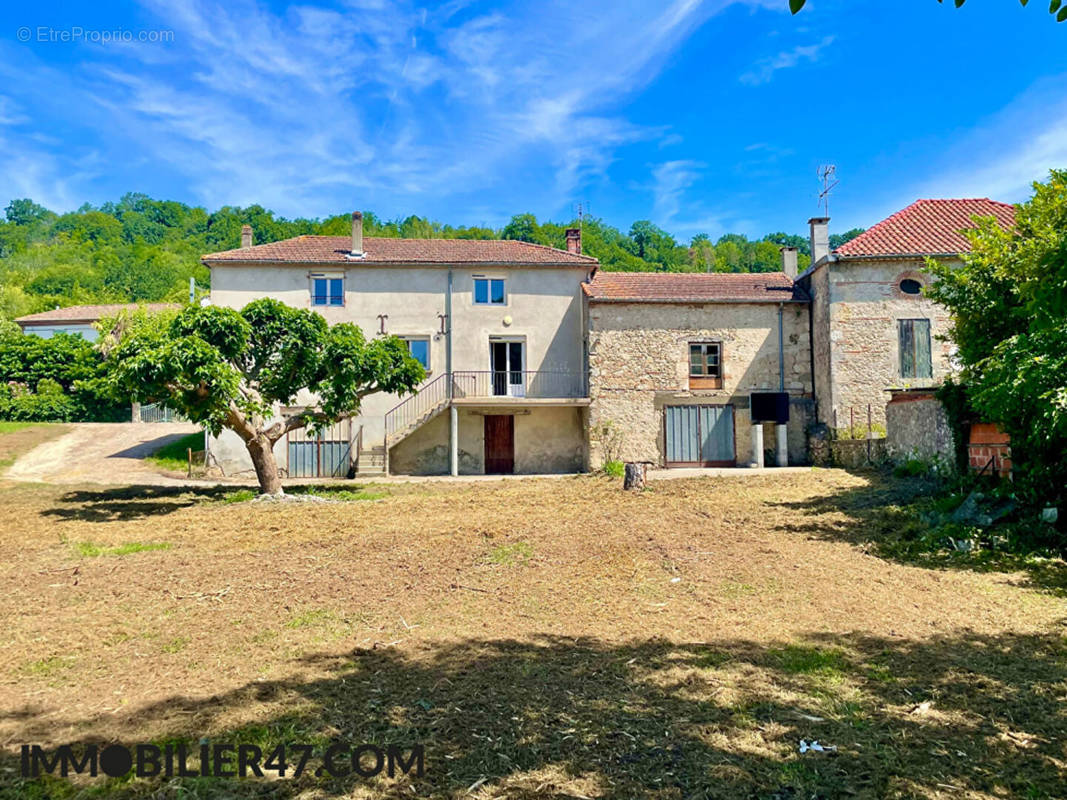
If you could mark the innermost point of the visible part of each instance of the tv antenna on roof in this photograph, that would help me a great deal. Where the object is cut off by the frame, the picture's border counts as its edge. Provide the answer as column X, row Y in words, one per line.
column 581, row 210
column 826, row 175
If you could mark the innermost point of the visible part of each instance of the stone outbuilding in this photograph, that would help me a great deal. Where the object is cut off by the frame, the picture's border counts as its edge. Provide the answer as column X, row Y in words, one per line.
column 873, row 328
column 674, row 360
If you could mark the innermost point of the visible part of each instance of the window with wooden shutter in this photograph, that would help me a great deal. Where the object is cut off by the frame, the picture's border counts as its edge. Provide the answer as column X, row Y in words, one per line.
column 705, row 365
column 915, row 350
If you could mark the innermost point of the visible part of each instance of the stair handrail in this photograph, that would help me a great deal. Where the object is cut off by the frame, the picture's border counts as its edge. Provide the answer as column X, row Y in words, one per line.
column 427, row 398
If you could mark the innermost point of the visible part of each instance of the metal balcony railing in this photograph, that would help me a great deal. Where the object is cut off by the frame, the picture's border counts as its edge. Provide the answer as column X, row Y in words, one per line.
column 433, row 396
column 518, row 384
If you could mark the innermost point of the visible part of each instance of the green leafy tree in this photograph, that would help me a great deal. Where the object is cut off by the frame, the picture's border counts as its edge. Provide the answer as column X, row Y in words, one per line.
column 240, row 369
column 838, row 239
column 1009, row 322
column 1056, row 7
column 26, row 212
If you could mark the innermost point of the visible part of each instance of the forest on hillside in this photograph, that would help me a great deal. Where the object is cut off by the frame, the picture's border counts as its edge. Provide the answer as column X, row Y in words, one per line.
column 144, row 250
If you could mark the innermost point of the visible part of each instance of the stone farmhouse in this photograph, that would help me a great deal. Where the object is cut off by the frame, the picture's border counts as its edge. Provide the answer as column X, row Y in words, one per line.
column 872, row 328
column 540, row 362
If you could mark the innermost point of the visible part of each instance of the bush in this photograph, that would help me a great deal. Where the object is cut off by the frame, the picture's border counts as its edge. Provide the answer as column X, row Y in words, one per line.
column 912, row 468
column 67, row 373
column 47, row 404
column 616, row 469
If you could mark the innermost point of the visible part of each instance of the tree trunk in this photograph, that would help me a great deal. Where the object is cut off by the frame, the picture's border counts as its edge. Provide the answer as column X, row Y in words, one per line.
column 635, row 475
column 263, row 460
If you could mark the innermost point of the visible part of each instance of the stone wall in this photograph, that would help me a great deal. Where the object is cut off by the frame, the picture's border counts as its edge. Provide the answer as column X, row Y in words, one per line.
column 864, row 309
column 917, row 428
column 857, row 453
column 639, row 363
column 818, row 286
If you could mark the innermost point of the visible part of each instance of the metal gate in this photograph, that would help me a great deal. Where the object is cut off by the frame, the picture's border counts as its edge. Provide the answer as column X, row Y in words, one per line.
column 327, row 455
column 154, row 412
column 699, row 436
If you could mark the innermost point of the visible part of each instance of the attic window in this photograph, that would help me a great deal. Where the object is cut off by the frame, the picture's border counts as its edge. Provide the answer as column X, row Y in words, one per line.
column 910, row 286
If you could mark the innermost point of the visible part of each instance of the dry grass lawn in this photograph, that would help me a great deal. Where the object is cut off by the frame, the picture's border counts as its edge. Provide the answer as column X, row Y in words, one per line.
column 541, row 639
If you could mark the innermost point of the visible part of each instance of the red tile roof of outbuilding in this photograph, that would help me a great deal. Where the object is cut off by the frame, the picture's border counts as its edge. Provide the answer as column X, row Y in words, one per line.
column 91, row 313
column 336, row 249
column 700, row 287
column 927, row 228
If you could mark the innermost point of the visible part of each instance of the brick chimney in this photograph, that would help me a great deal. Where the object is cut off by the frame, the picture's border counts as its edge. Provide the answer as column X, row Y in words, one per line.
column 789, row 261
column 357, row 234
column 246, row 236
column 820, row 238
column 574, row 241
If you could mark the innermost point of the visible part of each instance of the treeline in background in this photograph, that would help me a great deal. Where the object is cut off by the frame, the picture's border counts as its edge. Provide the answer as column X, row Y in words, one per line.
column 145, row 250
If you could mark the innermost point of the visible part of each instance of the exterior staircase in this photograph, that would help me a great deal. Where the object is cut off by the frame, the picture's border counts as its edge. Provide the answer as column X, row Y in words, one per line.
column 415, row 411
column 371, row 462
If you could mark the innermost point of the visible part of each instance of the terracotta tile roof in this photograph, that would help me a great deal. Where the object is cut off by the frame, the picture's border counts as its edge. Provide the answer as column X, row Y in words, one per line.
column 927, row 228
column 335, row 249
column 90, row 313
column 686, row 287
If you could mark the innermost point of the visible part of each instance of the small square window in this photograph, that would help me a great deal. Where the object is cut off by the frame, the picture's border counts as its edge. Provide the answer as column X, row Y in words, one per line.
column 419, row 347
column 704, row 360
column 327, row 291
column 489, row 292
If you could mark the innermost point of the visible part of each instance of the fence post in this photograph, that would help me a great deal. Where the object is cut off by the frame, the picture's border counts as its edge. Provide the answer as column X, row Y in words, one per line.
column 868, row 433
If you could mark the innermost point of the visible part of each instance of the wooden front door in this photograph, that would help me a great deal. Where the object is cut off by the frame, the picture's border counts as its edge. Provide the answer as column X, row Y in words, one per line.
column 499, row 444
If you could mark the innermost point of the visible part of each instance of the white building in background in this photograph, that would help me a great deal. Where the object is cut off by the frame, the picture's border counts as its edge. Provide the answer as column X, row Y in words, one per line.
column 79, row 320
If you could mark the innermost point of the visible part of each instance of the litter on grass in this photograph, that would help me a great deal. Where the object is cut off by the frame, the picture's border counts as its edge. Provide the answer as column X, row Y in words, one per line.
column 805, row 746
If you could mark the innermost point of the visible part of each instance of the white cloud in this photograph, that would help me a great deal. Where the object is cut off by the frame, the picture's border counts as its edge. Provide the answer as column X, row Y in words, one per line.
column 764, row 70
column 1003, row 155
column 313, row 109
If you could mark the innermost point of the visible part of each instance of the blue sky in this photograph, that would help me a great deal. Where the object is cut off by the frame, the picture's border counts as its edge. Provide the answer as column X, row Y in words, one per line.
column 703, row 117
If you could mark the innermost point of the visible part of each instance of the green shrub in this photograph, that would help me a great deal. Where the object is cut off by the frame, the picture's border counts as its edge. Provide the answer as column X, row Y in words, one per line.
column 67, row 374
column 912, row 468
column 616, row 469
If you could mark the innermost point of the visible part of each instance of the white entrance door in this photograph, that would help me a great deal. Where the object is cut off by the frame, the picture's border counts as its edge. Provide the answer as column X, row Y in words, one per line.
column 506, row 361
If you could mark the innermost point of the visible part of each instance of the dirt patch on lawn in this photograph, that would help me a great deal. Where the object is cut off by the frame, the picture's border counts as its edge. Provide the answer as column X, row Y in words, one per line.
column 541, row 638
column 16, row 440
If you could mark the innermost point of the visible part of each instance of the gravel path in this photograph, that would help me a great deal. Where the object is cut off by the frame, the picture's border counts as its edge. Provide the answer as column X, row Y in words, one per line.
column 104, row 453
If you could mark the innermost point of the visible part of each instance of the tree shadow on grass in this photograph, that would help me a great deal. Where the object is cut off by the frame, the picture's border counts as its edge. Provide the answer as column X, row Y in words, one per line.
column 132, row 502
column 137, row 502
column 881, row 518
column 150, row 446
column 559, row 717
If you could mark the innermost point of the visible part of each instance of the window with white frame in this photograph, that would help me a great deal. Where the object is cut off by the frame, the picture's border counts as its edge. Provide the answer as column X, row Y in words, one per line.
column 419, row 348
column 489, row 292
column 327, row 290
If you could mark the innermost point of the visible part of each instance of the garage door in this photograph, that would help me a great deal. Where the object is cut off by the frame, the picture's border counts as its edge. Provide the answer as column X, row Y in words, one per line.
column 700, row 436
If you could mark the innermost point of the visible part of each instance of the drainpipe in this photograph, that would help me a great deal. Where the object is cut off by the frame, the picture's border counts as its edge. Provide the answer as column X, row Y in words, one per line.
column 781, row 350
column 811, row 352
column 453, row 416
column 782, row 444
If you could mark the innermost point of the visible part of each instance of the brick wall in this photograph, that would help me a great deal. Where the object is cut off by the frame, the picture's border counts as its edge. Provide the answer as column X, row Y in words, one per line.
column 988, row 442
